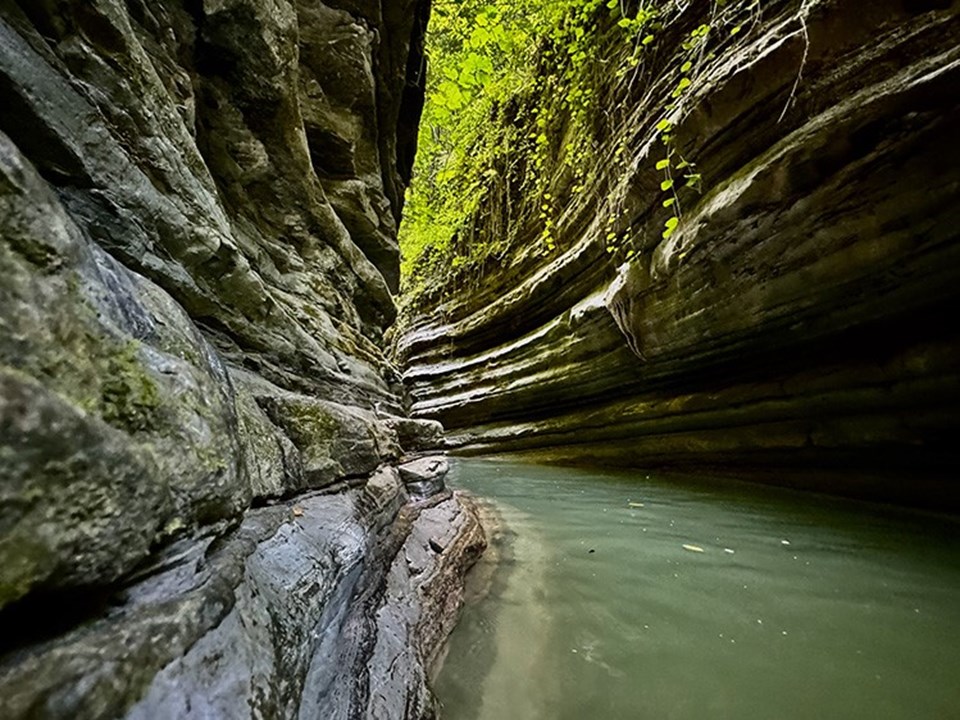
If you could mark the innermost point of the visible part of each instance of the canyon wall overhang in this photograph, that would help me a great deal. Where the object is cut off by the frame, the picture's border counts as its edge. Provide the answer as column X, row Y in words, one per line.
column 798, row 324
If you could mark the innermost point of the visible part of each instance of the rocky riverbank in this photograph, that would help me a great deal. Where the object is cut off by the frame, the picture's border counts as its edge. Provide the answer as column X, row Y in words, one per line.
column 330, row 605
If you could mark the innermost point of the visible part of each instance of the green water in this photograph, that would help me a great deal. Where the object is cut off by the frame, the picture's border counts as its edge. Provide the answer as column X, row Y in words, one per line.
column 825, row 608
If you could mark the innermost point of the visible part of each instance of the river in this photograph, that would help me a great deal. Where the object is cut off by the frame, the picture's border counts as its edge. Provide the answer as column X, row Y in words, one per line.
column 619, row 595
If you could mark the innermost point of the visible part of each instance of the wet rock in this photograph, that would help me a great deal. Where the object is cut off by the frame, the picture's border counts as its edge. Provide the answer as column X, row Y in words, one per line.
column 198, row 210
column 61, row 526
column 334, row 441
column 118, row 413
column 274, row 463
column 422, row 601
column 425, row 476
column 273, row 619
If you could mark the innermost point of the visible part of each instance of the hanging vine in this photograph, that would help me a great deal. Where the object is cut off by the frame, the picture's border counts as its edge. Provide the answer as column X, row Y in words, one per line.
column 523, row 105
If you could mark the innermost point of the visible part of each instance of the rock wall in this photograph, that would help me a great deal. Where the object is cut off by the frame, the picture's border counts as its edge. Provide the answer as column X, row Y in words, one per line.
column 797, row 325
column 198, row 211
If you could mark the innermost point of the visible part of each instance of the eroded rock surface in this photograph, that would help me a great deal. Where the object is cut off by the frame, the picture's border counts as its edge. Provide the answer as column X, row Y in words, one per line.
column 330, row 606
column 425, row 476
column 198, row 211
column 795, row 327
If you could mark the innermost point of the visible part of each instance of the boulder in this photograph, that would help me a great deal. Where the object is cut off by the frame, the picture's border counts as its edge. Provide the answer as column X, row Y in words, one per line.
column 425, row 476
column 416, row 435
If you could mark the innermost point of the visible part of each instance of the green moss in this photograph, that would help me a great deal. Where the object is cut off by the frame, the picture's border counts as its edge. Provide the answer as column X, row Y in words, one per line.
column 23, row 562
column 101, row 377
column 309, row 425
column 69, row 352
column 129, row 397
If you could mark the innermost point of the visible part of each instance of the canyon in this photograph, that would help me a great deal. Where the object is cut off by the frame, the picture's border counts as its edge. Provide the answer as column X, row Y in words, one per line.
column 222, row 421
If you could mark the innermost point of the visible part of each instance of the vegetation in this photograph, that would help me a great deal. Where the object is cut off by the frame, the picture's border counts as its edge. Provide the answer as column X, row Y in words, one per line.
column 129, row 396
column 490, row 61
column 522, row 100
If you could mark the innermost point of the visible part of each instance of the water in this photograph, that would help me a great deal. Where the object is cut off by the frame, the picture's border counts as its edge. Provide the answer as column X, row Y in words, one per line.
column 825, row 609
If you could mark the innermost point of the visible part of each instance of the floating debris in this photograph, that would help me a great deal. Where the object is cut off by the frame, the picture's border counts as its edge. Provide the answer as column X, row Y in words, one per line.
column 728, row 551
column 784, row 542
column 635, row 504
column 693, row 548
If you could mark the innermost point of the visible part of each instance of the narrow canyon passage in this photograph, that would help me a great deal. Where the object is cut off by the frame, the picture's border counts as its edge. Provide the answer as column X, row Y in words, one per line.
column 270, row 268
column 714, row 236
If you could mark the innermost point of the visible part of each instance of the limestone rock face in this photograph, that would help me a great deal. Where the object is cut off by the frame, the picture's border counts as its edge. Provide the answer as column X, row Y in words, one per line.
column 319, row 608
column 797, row 324
column 198, row 211
column 417, row 435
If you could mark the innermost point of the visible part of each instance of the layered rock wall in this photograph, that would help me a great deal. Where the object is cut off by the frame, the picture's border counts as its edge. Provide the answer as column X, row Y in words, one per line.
column 198, row 212
column 797, row 325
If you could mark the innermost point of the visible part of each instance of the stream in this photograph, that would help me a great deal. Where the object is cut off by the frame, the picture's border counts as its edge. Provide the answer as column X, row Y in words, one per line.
column 618, row 595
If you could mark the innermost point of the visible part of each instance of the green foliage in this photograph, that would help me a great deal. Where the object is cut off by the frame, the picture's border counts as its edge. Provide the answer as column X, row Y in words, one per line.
column 508, row 93
column 525, row 101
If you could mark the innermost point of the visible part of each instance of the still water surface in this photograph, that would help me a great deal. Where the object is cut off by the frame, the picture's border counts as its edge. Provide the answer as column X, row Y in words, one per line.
column 824, row 609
